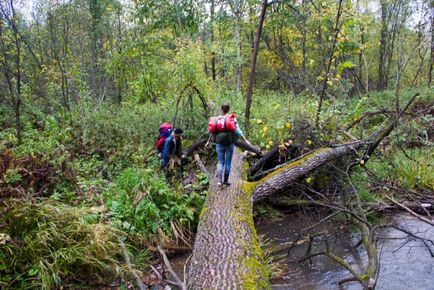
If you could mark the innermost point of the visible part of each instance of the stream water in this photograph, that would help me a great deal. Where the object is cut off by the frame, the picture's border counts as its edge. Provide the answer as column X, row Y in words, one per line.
column 405, row 263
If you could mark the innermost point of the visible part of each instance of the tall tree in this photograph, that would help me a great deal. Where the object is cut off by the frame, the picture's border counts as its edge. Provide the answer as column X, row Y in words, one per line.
column 11, row 59
column 330, row 61
column 236, row 7
column 252, row 74
column 431, row 64
column 213, row 57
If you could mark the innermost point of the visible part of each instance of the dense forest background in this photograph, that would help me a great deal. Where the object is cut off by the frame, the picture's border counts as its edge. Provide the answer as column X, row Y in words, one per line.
column 84, row 85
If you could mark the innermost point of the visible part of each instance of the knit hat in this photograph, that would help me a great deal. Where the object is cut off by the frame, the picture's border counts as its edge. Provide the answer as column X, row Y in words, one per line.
column 178, row 131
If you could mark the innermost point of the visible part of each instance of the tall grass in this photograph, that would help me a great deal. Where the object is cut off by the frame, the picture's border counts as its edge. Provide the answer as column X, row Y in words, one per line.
column 51, row 244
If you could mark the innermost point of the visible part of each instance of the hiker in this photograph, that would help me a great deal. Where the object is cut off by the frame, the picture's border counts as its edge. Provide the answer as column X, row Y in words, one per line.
column 224, row 131
column 172, row 150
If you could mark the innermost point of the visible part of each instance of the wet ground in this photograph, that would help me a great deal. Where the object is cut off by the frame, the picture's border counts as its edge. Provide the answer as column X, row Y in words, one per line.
column 405, row 263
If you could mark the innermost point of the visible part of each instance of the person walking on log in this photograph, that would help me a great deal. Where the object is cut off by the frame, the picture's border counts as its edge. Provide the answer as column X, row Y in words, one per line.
column 224, row 131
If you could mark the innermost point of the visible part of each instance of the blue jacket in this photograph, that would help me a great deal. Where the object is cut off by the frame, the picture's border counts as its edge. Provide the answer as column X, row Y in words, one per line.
column 171, row 146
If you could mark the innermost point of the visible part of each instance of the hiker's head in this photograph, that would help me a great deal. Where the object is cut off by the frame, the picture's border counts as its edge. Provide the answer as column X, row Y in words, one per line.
column 225, row 107
column 178, row 132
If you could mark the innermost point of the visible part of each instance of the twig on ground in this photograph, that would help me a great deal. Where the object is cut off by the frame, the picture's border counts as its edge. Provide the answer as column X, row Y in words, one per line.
column 201, row 165
column 178, row 282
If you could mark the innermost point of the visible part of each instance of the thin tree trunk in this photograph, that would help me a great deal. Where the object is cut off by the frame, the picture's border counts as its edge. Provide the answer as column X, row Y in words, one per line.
column 94, row 7
column 15, row 91
column 118, row 99
column 327, row 72
column 178, row 17
column 213, row 60
column 18, row 74
column 396, row 30
column 253, row 64
column 383, row 43
column 238, row 43
column 362, row 42
column 303, row 43
column 431, row 64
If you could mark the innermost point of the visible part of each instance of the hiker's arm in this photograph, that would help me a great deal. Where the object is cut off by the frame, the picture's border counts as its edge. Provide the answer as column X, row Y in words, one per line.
column 207, row 142
column 239, row 133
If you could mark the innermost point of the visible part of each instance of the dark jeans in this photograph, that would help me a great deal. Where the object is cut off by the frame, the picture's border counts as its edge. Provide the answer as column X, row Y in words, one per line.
column 224, row 156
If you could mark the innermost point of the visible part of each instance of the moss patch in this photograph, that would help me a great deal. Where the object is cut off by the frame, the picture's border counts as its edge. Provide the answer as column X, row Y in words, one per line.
column 256, row 275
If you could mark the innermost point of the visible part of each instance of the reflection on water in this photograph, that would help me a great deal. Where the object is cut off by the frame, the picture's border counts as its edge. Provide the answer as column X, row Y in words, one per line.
column 404, row 264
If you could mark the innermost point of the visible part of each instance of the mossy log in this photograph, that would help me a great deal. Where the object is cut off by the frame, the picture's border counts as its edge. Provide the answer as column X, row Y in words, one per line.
column 226, row 253
column 282, row 178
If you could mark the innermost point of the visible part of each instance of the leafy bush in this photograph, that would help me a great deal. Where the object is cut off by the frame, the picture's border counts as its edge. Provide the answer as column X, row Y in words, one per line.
column 46, row 245
column 140, row 201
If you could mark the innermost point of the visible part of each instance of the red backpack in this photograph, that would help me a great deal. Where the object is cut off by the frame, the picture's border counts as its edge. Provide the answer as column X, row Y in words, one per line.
column 222, row 124
column 165, row 131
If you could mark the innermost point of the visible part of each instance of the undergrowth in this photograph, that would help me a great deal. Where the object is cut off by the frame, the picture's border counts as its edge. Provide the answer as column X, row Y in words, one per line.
column 49, row 244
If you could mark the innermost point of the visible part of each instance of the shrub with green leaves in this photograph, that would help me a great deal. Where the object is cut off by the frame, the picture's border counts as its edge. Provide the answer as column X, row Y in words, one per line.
column 141, row 201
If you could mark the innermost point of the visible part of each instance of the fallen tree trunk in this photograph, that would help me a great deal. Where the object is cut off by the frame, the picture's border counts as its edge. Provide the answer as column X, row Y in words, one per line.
column 282, row 178
column 226, row 253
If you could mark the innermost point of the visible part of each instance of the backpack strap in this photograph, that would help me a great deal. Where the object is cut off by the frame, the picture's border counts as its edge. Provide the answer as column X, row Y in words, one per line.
column 216, row 123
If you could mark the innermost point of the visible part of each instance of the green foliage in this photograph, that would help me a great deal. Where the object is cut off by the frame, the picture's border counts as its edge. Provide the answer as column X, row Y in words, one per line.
column 412, row 169
column 49, row 244
column 266, row 212
column 141, row 202
column 366, row 195
column 11, row 177
column 274, row 118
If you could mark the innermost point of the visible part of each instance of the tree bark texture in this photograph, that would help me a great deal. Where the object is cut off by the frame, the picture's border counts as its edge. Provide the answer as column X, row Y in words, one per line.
column 226, row 253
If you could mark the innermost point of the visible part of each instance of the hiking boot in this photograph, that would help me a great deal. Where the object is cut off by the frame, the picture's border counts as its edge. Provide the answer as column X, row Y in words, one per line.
column 226, row 184
column 219, row 183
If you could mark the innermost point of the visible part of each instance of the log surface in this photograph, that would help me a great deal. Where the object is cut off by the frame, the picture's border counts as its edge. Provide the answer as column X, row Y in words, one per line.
column 281, row 179
column 226, row 253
